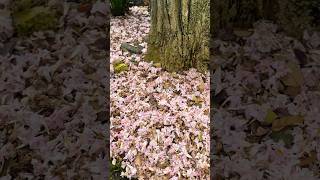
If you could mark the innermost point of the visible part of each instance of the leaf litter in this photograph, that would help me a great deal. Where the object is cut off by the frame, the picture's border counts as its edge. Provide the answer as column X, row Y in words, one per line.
column 266, row 116
column 52, row 96
column 159, row 120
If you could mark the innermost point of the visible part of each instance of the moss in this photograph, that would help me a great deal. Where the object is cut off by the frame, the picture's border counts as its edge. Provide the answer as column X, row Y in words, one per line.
column 172, row 61
column 179, row 35
column 120, row 68
column 152, row 55
column 28, row 21
column 158, row 56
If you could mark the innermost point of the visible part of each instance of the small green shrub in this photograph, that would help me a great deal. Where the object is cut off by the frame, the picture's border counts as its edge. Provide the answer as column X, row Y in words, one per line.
column 119, row 7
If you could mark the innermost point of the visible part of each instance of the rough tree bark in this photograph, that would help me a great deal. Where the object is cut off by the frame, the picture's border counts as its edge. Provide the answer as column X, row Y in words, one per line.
column 179, row 35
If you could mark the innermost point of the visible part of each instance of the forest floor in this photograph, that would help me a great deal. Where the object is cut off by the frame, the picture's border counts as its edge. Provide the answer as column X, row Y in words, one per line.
column 159, row 120
column 53, row 86
column 265, row 108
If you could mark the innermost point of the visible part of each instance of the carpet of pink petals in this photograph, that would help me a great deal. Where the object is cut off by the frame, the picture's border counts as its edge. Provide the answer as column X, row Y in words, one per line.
column 159, row 120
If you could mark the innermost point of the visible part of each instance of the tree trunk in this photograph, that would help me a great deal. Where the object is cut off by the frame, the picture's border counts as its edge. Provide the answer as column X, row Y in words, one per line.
column 179, row 34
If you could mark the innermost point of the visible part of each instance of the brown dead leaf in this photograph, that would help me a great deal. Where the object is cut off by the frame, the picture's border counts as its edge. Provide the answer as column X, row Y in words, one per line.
column 85, row 7
column 167, row 85
column 197, row 99
column 309, row 160
column 279, row 152
column 261, row 131
column 294, row 77
column 201, row 87
column 243, row 32
column 138, row 160
column 219, row 147
column 286, row 121
column 292, row 91
column 206, row 112
column 157, row 65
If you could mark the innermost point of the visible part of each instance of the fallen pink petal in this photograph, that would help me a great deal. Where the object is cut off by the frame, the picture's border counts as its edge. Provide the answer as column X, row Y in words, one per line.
column 155, row 133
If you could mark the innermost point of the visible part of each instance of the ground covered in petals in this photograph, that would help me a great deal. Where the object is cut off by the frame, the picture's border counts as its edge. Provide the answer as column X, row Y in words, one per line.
column 159, row 120
column 265, row 110
column 53, row 84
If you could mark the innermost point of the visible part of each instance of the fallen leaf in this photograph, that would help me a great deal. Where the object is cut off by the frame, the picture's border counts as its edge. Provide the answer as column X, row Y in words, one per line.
column 85, row 7
column 309, row 160
column 284, row 122
column 243, row 33
column 121, row 67
column 292, row 91
column 261, row 131
column 279, row 152
column 287, row 138
column 117, row 62
column 200, row 137
column 137, row 160
column 216, row 81
column 294, row 77
column 131, row 49
column 201, row 87
column 157, row 65
column 206, row 112
column 219, row 147
column 167, row 85
column 270, row 117
column 301, row 56
column 197, row 100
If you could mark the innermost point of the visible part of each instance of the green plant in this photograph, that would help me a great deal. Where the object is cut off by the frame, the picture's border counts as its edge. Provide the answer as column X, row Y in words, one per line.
column 119, row 7
column 116, row 172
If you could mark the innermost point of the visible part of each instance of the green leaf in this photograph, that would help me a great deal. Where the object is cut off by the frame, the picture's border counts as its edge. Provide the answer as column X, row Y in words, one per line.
column 287, row 138
column 270, row 117
column 120, row 68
